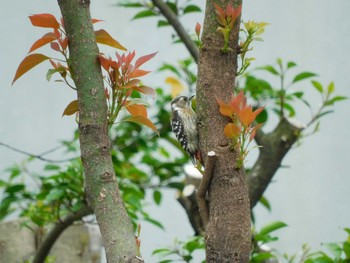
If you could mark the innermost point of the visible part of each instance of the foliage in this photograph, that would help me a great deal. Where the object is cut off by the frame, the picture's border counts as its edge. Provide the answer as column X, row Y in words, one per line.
column 182, row 250
column 282, row 99
column 251, row 32
column 240, row 129
column 121, row 75
column 226, row 19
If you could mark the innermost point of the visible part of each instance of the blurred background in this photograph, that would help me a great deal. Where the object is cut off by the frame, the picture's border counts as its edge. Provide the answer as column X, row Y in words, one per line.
column 311, row 194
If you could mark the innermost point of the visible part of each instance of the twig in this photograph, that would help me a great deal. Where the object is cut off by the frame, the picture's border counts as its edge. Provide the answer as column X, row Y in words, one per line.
column 54, row 234
column 203, row 187
column 37, row 156
column 176, row 24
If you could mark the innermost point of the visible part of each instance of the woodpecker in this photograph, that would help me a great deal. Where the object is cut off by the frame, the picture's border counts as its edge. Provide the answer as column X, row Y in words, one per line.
column 183, row 124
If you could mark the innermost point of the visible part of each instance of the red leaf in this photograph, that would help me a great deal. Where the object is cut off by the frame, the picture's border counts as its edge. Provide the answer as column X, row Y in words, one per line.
column 138, row 73
column 231, row 130
column 136, row 109
column 44, row 20
column 72, row 108
column 94, row 20
column 198, row 29
column 45, row 39
column 146, row 90
column 28, row 63
column 103, row 37
column 246, row 116
column 219, row 11
column 144, row 59
column 236, row 12
column 64, row 43
column 55, row 46
column 142, row 120
column 131, row 84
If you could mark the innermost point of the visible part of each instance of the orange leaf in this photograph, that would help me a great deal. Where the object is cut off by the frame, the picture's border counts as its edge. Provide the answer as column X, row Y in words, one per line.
column 136, row 109
column 231, row 130
column 103, row 37
column 246, row 116
column 55, row 46
column 142, row 120
column 225, row 108
column 44, row 20
column 257, row 111
column 28, row 63
column 72, row 108
column 138, row 73
column 144, row 59
column 45, row 39
column 236, row 12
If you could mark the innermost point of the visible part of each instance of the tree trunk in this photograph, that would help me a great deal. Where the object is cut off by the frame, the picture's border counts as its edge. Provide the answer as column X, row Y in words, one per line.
column 101, row 186
column 228, row 235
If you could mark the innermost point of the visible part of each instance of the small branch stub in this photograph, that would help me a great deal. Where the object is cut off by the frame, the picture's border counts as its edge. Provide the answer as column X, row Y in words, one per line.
column 204, row 186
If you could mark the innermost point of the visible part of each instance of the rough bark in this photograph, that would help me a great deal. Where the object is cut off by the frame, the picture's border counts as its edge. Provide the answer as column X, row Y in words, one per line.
column 101, row 187
column 274, row 146
column 228, row 234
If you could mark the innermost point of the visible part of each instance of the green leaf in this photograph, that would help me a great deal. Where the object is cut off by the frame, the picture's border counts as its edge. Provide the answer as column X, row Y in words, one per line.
column 162, row 23
column 51, row 167
column 157, row 197
column 331, row 88
column 126, row 4
column 262, row 117
column 144, row 13
column 272, row 227
column 318, row 86
column 176, row 185
column 291, row 64
column 346, row 249
column 303, row 75
column 55, row 194
column 154, row 222
column 260, row 257
column 192, row 8
column 324, row 113
column 270, row 69
column 335, row 249
column 265, row 203
column 14, row 188
column 335, row 99
column 161, row 251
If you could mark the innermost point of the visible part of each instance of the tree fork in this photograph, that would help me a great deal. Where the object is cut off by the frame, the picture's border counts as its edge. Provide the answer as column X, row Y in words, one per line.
column 228, row 234
column 101, row 186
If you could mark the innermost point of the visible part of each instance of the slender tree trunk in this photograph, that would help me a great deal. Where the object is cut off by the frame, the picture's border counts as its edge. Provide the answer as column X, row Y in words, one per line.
column 101, row 185
column 228, row 235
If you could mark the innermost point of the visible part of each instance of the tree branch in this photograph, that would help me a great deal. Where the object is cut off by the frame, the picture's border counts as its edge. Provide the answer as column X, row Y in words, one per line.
column 55, row 233
column 275, row 146
column 176, row 24
column 204, row 186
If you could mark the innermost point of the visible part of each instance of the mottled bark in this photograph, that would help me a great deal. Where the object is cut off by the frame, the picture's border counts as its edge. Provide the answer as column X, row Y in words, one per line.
column 274, row 146
column 228, row 234
column 101, row 186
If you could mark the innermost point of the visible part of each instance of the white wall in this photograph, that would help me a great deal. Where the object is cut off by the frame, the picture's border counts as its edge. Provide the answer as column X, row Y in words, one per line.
column 311, row 196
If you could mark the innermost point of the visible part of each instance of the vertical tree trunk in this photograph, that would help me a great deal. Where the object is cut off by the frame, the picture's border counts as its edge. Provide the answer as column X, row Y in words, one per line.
column 101, row 186
column 228, row 235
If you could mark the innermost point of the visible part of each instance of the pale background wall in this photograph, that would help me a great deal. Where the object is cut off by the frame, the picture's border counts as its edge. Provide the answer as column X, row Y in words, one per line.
column 312, row 196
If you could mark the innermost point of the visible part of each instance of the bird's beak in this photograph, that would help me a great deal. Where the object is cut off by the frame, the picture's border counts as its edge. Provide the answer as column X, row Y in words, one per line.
column 192, row 97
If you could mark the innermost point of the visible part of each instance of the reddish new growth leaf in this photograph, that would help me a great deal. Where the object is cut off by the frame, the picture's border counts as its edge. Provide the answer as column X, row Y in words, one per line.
column 227, row 17
column 28, row 63
column 44, row 20
column 240, row 129
column 45, row 39
column 198, row 29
